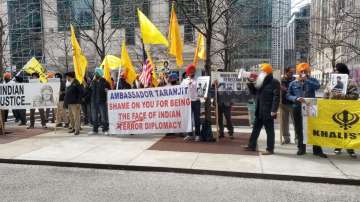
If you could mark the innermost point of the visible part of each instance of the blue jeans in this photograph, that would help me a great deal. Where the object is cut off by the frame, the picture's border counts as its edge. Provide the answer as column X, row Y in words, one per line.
column 99, row 116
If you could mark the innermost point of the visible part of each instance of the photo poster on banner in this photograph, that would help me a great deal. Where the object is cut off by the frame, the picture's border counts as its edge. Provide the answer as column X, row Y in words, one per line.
column 29, row 95
column 231, row 86
column 203, row 83
column 308, row 109
column 338, row 83
column 150, row 110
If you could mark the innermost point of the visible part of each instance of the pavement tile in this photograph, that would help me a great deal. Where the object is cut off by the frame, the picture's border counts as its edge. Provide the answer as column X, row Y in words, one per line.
column 165, row 159
column 225, row 162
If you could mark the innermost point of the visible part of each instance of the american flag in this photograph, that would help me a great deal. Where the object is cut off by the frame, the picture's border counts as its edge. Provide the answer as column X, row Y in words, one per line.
column 146, row 75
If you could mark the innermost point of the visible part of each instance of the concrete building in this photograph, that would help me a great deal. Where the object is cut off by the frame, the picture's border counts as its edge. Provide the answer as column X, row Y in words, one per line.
column 281, row 10
column 40, row 28
column 296, row 37
column 255, row 28
column 334, row 36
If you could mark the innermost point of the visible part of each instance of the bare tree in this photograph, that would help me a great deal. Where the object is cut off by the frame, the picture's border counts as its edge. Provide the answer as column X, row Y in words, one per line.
column 334, row 29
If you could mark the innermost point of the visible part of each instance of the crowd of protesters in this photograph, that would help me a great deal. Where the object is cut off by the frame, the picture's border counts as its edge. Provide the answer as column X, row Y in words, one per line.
column 270, row 95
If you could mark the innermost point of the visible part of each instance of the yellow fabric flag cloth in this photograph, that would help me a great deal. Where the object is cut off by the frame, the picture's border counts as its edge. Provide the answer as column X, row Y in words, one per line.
column 107, row 73
column 34, row 66
column 200, row 51
column 113, row 62
column 176, row 44
column 79, row 59
column 149, row 33
column 127, row 64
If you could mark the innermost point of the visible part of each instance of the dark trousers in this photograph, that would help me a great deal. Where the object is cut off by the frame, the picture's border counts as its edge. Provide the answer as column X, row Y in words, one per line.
column 86, row 109
column 224, row 110
column 52, row 110
column 21, row 115
column 298, row 124
column 16, row 115
column 99, row 109
column 42, row 117
column 5, row 114
column 270, row 133
column 195, row 110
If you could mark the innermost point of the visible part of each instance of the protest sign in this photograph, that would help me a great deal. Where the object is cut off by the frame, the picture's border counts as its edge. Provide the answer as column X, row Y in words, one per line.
column 338, row 83
column 150, row 110
column 203, row 83
column 332, row 123
column 231, row 87
column 29, row 95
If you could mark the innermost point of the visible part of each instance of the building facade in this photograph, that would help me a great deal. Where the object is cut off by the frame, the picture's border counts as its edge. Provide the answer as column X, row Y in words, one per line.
column 334, row 36
column 296, row 38
column 281, row 10
column 40, row 28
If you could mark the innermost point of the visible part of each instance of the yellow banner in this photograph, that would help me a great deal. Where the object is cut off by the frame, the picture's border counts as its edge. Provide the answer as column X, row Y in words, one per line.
column 334, row 124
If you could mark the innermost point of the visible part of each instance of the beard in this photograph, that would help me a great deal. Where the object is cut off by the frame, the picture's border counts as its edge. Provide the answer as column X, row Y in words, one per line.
column 260, row 80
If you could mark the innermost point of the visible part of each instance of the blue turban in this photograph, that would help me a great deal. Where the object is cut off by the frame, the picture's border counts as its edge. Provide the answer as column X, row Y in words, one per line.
column 99, row 71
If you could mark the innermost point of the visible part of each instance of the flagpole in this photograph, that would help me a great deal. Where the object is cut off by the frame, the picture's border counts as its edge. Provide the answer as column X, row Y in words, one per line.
column 216, row 107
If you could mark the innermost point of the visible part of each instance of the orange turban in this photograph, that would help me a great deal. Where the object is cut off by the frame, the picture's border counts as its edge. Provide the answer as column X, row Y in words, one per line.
column 267, row 68
column 302, row 67
column 50, row 74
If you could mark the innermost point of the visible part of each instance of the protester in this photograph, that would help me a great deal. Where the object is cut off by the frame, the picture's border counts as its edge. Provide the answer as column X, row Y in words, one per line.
column 6, row 79
column 163, row 77
column 267, row 95
column 286, row 105
column 72, row 101
column 224, row 106
column 122, row 84
column 173, row 79
column 99, row 87
column 35, row 76
column 86, row 101
column 351, row 94
column 190, row 81
column 303, row 87
column 61, row 115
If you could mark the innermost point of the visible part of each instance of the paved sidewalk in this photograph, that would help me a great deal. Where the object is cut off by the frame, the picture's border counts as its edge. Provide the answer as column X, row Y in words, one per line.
column 133, row 150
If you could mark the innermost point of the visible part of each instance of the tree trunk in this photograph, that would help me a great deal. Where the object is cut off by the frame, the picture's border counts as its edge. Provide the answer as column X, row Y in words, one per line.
column 209, row 32
column 1, row 47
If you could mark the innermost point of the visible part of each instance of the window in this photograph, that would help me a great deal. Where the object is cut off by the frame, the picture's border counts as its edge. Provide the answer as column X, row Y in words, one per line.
column 25, row 31
column 124, row 12
column 194, row 9
column 130, row 34
column 188, row 33
column 77, row 12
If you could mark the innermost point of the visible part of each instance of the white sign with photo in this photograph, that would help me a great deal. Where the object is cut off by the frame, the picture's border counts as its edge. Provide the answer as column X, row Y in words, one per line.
column 338, row 83
column 203, row 83
column 29, row 95
column 229, row 81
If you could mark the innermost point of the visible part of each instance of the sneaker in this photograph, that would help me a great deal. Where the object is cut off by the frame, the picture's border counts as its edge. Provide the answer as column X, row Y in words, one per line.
column 286, row 140
column 188, row 138
column 337, row 151
column 92, row 133
column 59, row 125
column 72, row 131
column 30, row 127
column 197, row 139
column 44, row 127
column 301, row 152
column 247, row 148
column 352, row 155
column 267, row 152
column 77, row 133
column 106, row 133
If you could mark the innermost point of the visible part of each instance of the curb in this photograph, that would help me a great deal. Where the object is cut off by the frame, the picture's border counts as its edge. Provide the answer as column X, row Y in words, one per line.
column 339, row 181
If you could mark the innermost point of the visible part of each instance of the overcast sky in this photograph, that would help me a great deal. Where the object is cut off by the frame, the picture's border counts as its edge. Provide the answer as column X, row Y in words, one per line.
column 295, row 4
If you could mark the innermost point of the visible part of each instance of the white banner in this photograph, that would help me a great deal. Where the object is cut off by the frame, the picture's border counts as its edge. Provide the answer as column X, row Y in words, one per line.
column 229, row 81
column 29, row 95
column 150, row 110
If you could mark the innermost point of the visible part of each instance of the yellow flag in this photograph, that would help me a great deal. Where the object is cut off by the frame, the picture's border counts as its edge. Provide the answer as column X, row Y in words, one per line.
column 34, row 66
column 112, row 61
column 107, row 73
column 200, row 51
column 127, row 64
column 176, row 45
column 149, row 33
column 79, row 59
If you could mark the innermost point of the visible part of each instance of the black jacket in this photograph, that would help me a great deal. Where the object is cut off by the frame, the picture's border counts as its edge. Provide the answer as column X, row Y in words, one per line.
column 73, row 94
column 123, row 84
column 98, row 92
column 267, row 97
column 62, row 90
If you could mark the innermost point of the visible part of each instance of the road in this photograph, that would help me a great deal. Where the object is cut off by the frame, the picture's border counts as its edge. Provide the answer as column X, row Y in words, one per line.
column 42, row 183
